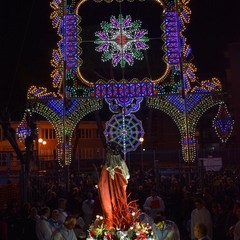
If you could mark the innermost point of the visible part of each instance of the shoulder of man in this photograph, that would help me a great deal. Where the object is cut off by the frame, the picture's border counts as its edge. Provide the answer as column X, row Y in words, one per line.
column 56, row 234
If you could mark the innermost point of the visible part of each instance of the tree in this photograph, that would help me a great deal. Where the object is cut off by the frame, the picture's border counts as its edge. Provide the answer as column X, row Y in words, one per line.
column 24, row 157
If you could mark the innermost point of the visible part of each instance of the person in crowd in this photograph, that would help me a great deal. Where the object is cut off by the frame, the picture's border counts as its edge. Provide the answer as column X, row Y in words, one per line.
column 3, row 227
column 145, row 218
column 97, row 207
column 207, row 198
column 140, row 195
column 30, row 225
column 80, row 227
column 175, row 201
column 232, row 189
column 25, row 211
column 219, row 220
column 231, row 220
column 201, row 215
column 52, row 201
column 87, row 209
column 54, row 221
column 154, row 204
column 43, row 229
column 200, row 232
column 187, row 207
column 14, row 221
column 66, row 232
column 62, row 209
column 164, row 229
column 74, row 199
column 234, row 231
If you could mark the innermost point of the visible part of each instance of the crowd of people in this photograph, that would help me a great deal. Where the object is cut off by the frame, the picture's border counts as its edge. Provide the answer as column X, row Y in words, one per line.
column 176, row 207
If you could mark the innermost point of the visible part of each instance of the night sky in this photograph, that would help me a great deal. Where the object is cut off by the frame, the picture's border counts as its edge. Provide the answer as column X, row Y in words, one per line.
column 27, row 40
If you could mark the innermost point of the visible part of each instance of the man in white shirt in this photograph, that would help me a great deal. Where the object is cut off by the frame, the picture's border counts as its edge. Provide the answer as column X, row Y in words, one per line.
column 164, row 229
column 43, row 229
column 153, row 204
column 66, row 232
column 87, row 208
column 54, row 221
column 61, row 208
column 201, row 215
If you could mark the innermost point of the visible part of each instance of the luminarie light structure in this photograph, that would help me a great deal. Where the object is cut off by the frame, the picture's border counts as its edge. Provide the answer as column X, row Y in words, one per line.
column 97, row 60
column 103, row 59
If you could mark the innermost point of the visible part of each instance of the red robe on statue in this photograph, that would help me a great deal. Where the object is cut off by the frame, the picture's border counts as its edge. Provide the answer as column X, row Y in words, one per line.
column 112, row 189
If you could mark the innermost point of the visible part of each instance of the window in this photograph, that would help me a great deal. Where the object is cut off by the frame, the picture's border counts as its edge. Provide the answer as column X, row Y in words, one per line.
column 1, row 134
column 82, row 133
column 89, row 133
column 48, row 133
column 5, row 157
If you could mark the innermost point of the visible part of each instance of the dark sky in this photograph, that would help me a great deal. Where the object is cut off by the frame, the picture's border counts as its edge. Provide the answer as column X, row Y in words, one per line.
column 27, row 40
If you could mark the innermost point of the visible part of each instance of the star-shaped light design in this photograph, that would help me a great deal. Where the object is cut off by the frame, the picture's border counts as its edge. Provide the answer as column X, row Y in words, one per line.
column 121, row 40
column 223, row 123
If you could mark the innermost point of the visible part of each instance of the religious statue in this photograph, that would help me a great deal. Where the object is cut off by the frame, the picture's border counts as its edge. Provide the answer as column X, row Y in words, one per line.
column 112, row 189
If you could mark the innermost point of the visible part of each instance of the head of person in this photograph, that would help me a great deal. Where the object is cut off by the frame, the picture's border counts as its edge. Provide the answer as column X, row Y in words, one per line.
column 200, row 230
column 199, row 203
column 160, row 218
column 113, row 148
column 33, row 212
column 75, row 213
column 62, row 203
column 89, row 195
column 236, row 206
column 230, row 181
column 75, row 191
column 53, row 195
column 46, row 212
column 154, row 192
column 55, row 214
column 70, row 222
column 159, row 221
column 237, row 213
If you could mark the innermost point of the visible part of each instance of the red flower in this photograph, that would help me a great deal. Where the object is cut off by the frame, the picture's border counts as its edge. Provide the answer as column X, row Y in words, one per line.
column 109, row 236
column 142, row 235
column 92, row 233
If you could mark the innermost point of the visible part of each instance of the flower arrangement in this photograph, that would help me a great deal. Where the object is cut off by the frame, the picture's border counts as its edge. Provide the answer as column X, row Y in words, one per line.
column 98, row 229
column 138, row 231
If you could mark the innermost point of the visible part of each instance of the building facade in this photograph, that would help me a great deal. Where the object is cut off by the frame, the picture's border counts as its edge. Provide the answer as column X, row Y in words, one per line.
column 86, row 145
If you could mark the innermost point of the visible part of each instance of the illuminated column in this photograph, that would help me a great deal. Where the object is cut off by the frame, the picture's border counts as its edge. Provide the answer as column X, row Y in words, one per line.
column 141, row 142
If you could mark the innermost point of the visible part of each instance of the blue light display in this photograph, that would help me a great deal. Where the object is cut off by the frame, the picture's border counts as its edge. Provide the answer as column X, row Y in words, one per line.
column 172, row 37
column 223, row 123
column 123, row 90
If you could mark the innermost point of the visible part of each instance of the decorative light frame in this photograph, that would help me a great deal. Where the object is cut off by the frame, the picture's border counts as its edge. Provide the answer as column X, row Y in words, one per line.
column 178, row 92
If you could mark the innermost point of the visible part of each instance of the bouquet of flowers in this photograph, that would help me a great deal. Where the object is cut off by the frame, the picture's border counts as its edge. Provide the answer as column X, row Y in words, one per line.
column 138, row 231
column 98, row 229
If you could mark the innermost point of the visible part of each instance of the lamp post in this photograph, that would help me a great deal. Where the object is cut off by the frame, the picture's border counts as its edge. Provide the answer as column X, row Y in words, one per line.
column 40, row 142
column 141, row 142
